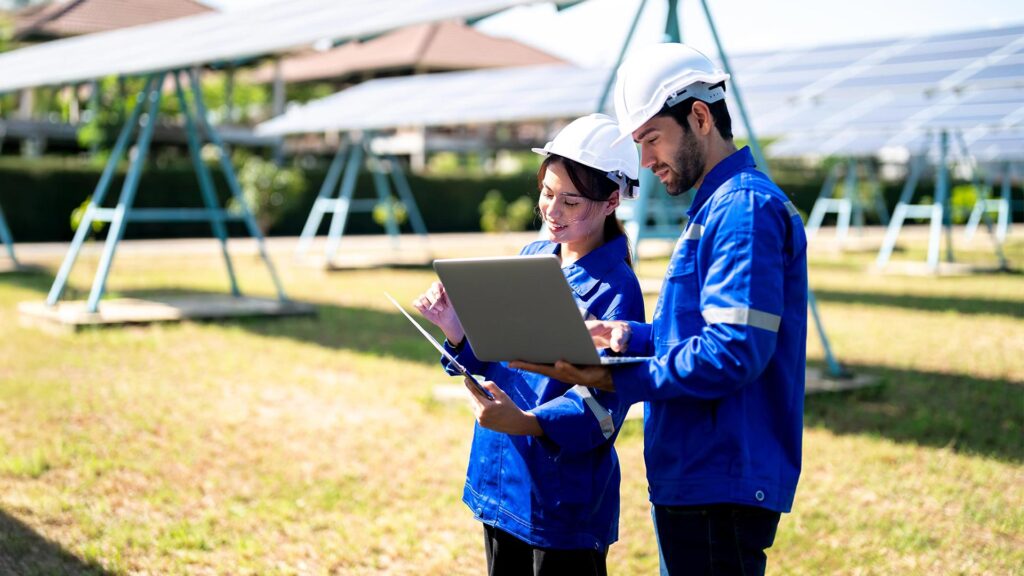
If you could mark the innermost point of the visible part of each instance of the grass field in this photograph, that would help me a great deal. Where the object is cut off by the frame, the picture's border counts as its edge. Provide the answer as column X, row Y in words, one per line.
column 315, row 445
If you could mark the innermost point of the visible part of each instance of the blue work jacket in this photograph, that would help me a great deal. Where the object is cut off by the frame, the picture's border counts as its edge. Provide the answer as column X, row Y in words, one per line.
column 725, row 392
column 560, row 490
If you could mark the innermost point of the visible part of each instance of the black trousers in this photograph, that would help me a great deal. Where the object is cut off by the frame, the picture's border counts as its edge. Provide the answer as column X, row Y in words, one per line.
column 714, row 540
column 510, row 556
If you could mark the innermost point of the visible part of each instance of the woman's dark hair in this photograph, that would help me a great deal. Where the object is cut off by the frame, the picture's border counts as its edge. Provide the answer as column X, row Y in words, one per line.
column 593, row 184
column 719, row 112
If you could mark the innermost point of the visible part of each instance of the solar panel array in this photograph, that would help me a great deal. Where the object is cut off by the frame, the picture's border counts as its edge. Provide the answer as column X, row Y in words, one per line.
column 225, row 37
column 859, row 99
column 852, row 99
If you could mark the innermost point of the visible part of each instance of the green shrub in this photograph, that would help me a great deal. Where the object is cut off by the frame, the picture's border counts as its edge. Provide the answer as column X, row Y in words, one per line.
column 267, row 189
column 520, row 213
column 962, row 199
column 492, row 212
column 380, row 212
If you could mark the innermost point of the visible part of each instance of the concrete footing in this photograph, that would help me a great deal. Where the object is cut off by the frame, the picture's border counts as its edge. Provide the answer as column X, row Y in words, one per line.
column 74, row 316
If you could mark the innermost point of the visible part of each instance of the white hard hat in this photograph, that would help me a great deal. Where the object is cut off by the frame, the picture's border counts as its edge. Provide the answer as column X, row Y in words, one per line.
column 594, row 141
column 659, row 74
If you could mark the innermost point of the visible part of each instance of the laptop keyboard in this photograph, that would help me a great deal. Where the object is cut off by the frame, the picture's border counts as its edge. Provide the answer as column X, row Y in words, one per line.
column 606, row 360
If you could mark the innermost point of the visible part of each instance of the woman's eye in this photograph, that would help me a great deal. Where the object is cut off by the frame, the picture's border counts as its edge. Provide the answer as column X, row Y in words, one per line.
column 570, row 203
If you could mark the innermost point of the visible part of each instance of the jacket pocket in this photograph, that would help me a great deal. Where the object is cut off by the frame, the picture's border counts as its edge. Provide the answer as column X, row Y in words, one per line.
column 678, row 314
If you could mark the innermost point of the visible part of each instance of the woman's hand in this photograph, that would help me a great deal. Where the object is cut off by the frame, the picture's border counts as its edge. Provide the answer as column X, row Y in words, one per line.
column 502, row 414
column 435, row 307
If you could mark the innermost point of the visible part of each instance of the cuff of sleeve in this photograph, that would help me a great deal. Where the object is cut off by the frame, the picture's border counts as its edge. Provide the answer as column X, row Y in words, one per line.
column 629, row 380
column 559, row 420
column 639, row 339
column 453, row 349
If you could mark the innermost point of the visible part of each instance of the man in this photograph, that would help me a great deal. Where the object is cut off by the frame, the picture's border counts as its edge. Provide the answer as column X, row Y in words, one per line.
column 724, row 389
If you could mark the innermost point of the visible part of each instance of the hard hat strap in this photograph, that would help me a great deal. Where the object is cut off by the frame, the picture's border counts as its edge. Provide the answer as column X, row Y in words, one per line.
column 627, row 186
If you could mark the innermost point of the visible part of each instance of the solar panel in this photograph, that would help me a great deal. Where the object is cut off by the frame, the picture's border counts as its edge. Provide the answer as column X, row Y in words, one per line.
column 224, row 37
column 846, row 99
column 480, row 96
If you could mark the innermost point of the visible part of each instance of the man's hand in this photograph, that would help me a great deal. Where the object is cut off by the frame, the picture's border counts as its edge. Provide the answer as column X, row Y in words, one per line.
column 612, row 334
column 590, row 376
column 501, row 414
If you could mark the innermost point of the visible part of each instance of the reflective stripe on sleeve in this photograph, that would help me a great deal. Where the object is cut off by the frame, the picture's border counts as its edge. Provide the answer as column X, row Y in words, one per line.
column 693, row 232
column 743, row 317
column 604, row 418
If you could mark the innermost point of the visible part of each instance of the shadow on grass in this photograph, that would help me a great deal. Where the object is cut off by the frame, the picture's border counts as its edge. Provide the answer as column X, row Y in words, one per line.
column 363, row 330
column 23, row 551
column 967, row 415
column 36, row 280
column 1014, row 309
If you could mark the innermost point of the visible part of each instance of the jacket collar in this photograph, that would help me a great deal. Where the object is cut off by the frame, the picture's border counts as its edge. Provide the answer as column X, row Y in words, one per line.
column 586, row 273
column 736, row 162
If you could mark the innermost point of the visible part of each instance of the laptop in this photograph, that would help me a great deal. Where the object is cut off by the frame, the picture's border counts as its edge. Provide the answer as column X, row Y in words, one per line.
column 520, row 308
column 455, row 363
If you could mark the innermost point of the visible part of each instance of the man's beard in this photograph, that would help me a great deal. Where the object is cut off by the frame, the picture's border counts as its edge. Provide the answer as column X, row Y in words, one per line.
column 688, row 165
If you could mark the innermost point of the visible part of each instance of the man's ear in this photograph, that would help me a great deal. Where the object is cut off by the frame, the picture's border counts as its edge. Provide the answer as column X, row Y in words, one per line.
column 703, row 121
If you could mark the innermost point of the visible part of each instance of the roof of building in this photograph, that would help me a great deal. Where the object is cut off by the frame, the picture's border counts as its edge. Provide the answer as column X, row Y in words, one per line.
column 75, row 17
column 224, row 37
column 437, row 46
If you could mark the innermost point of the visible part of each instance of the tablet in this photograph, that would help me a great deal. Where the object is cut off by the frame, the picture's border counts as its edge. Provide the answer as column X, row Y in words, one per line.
column 451, row 359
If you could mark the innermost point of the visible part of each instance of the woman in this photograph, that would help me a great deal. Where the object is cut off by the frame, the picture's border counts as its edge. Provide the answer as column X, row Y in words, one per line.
column 543, row 475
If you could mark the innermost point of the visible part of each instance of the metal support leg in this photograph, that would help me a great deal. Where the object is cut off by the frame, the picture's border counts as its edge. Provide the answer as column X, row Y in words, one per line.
column 1006, row 209
column 983, row 198
column 983, row 203
column 622, row 53
column 672, row 30
column 405, row 195
column 206, row 186
column 128, row 190
column 878, row 197
column 636, row 227
column 845, row 207
column 98, row 195
column 380, row 183
column 755, row 147
column 236, row 190
column 856, row 204
column 821, row 205
column 892, row 233
column 939, row 205
column 316, row 214
column 7, row 239
column 341, row 206
column 834, row 369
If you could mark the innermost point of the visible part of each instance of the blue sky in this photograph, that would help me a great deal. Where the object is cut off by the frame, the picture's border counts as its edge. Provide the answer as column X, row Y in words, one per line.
column 591, row 33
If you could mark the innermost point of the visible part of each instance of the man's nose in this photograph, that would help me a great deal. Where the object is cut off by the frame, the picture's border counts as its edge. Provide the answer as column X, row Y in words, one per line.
column 646, row 156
